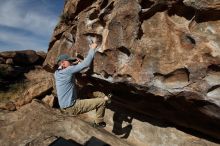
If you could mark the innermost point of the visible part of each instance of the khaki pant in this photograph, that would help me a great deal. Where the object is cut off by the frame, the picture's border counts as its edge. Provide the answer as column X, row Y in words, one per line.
column 85, row 105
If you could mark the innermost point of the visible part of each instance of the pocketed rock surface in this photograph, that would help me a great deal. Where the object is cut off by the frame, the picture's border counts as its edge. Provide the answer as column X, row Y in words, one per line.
column 161, row 57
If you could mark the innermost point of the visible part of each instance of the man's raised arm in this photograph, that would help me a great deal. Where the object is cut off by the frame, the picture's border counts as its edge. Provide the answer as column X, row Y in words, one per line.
column 86, row 62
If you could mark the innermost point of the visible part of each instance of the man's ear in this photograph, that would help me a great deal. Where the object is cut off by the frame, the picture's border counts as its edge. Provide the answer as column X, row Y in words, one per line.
column 60, row 63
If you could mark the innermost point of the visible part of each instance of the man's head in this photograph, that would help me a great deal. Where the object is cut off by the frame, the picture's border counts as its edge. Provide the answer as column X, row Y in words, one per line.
column 64, row 60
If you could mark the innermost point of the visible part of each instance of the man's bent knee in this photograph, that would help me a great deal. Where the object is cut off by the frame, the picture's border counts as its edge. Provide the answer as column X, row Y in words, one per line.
column 100, row 101
column 98, row 94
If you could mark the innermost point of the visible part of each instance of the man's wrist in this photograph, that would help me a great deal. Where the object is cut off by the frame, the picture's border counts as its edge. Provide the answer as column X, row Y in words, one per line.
column 93, row 46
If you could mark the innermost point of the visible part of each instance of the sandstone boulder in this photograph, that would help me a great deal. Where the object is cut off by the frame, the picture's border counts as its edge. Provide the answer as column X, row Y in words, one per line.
column 8, row 71
column 164, row 55
column 36, row 83
column 203, row 4
column 144, row 131
column 8, row 54
column 49, row 100
column 37, row 124
column 9, row 61
column 36, row 90
column 40, row 84
column 10, row 106
column 42, row 55
column 25, row 57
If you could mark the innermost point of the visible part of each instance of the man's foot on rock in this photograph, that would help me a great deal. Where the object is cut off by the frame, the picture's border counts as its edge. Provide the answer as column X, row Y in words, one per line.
column 108, row 98
column 99, row 125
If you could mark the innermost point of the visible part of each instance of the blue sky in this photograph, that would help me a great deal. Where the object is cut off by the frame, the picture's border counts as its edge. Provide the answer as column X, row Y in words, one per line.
column 28, row 24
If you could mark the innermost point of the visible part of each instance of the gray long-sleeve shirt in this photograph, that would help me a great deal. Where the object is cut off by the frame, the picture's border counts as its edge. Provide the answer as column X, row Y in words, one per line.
column 65, row 81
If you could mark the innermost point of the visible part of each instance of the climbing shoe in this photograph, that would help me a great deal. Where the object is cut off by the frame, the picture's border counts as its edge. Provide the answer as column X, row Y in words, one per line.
column 99, row 125
column 109, row 98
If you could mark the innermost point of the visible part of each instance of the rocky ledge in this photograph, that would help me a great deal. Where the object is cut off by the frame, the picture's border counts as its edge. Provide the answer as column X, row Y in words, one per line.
column 37, row 124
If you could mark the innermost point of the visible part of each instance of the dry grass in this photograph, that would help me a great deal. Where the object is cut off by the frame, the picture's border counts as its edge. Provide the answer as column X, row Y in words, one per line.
column 11, row 92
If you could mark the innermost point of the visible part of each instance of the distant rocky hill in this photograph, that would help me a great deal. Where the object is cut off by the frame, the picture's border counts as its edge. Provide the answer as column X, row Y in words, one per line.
column 15, row 63
column 22, row 78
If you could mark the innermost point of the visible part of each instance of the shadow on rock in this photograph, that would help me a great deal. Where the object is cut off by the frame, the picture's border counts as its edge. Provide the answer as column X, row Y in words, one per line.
column 118, row 128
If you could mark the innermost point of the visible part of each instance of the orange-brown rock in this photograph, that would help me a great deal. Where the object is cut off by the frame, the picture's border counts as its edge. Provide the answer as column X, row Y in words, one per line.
column 39, row 84
column 49, row 99
column 8, row 106
column 24, row 57
column 13, row 64
column 164, row 55
column 9, row 61
column 37, row 124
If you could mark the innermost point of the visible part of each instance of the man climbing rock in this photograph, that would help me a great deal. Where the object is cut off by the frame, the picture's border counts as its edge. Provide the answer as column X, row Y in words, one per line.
column 66, row 91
